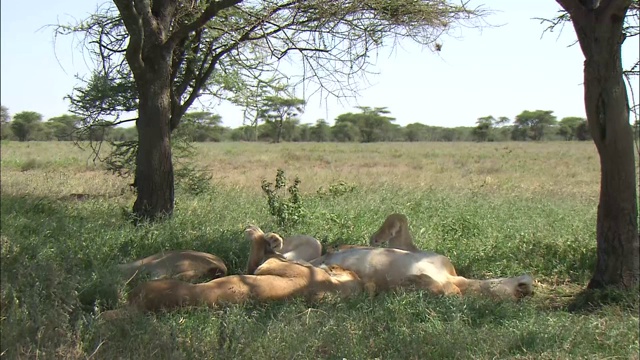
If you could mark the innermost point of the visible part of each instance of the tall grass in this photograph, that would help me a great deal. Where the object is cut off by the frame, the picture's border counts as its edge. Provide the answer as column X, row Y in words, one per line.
column 494, row 209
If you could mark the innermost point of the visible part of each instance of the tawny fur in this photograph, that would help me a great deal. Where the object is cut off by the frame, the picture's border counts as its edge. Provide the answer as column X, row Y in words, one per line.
column 395, row 232
column 393, row 268
column 275, row 279
column 403, row 265
column 184, row 265
column 345, row 247
column 296, row 247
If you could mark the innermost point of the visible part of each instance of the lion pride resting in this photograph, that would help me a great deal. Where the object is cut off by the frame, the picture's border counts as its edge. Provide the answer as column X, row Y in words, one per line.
column 271, row 276
column 275, row 279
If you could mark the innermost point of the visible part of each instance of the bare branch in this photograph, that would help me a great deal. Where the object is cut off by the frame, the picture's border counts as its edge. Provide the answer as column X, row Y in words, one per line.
column 189, row 72
column 113, row 123
column 197, row 86
column 133, row 24
column 211, row 11
column 608, row 7
column 164, row 11
column 106, row 47
column 571, row 5
column 143, row 8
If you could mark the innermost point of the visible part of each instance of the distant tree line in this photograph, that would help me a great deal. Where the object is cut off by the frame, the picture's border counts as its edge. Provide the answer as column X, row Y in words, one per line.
column 279, row 122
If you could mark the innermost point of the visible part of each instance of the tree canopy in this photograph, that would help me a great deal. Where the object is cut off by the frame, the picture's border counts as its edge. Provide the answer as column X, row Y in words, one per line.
column 158, row 57
column 572, row 128
column 372, row 123
column 5, row 117
column 532, row 124
column 277, row 111
column 24, row 123
column 223, row 49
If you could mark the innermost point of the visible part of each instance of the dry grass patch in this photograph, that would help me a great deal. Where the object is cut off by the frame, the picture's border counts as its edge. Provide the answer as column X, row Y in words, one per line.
column 566, row 169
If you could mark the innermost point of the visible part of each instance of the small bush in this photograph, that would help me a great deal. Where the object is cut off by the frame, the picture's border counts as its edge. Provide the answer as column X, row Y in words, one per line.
column 337, row 189
column 30, row 164
column 192, row 180
column 287, row 211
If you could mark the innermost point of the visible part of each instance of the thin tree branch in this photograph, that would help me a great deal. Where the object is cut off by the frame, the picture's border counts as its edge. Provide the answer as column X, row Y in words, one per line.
column 136, row 35
column 188, row 74
column 608, row 8
column 143, row 8
column 113, row 123
column 105, row 47
column 571, row 5
column 201, row 80
column 210, row 12
column 164, row 11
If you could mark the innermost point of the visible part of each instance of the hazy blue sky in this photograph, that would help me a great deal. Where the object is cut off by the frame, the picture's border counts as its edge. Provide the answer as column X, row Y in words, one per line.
column 496, row 71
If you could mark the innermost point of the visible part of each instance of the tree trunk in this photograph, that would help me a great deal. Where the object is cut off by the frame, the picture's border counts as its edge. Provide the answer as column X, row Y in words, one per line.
column 607, row 108
column 154, row 167
column 278, row 130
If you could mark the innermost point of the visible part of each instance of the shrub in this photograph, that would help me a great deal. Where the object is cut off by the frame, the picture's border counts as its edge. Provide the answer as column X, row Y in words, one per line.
column 288, row 211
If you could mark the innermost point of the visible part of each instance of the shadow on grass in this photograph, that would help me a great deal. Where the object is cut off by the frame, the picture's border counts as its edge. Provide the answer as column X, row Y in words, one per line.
column 593, row 300
column 36, row 208
column 87, row 239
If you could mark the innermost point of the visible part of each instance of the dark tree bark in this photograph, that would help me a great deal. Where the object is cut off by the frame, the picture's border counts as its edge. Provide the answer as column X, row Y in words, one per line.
column 149, row 55
column 154, row 167
column 599, row 30
column 278, row 130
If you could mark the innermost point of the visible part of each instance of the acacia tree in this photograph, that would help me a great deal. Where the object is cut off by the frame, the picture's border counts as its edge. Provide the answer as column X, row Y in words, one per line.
column 483, row 129
column 157, row 57
column 25, row 123
column 570, row 126
column 5, row 118
column 250, row 97
column 321, row 131
column 601, row 29
column 532, row 124
column 372, row 122
column 64, row 126
column 201, row 126
column 277, row 110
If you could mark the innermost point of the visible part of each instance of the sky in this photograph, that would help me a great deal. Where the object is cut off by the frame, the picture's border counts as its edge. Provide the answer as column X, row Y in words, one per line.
column 499, row 70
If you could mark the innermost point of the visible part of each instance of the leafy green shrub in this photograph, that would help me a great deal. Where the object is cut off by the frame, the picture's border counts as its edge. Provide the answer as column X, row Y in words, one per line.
column 287, row 211
column 188, row 177
column 193, row 180
column 336, row 189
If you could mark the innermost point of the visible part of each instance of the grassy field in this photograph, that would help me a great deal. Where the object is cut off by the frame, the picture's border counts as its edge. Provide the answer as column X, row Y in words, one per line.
column 496, row 209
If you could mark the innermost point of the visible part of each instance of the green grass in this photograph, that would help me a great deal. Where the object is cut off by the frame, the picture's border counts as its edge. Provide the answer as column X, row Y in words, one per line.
column 494, row 209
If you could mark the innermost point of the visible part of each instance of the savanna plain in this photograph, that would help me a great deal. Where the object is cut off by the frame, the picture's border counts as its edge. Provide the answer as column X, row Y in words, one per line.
column 495, row 209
